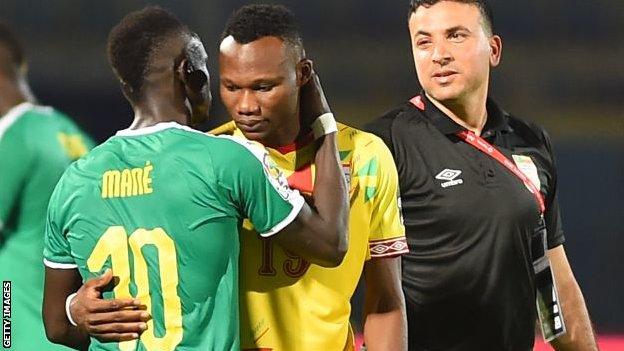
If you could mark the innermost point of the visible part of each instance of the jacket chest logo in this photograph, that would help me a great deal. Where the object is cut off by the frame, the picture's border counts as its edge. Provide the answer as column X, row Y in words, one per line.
column 448, row 176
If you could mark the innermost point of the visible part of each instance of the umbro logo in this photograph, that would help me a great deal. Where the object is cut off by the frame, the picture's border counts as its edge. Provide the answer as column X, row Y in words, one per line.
column 449, row 175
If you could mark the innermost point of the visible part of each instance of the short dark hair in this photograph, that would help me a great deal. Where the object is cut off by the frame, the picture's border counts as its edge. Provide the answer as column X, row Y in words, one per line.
column 9, row 42
column 134, row 39
column 252, row 22
column 483, row 5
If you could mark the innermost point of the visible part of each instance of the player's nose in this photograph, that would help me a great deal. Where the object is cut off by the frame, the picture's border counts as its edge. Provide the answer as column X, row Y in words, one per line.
column 441, row 55
column 248, row 104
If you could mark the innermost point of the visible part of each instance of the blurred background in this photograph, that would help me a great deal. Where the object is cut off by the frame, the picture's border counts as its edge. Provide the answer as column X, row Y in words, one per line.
column 562, row 67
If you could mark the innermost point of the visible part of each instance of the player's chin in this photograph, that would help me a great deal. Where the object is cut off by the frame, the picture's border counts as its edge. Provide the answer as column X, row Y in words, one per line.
column 255, row 135
column 448, row 92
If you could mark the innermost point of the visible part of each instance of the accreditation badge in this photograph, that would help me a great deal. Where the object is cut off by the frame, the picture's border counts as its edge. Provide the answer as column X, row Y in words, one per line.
column 548, row 307
column 546, row 296
column 526, row 165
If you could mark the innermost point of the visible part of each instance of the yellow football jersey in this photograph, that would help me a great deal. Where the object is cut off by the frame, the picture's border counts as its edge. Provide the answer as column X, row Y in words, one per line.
column 285, row 302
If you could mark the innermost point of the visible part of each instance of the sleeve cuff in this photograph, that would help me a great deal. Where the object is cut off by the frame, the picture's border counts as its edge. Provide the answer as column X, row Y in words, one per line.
column 297, row 204
column 388, row 248
column 57, row 265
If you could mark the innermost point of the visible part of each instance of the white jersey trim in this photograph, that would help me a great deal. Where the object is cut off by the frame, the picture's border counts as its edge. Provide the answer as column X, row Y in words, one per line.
column 12, row 116
column 57, row 265
column 154, row 128
column 297, row 204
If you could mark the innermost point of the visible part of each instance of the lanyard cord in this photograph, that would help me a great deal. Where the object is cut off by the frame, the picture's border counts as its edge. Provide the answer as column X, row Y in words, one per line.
column 485, row 147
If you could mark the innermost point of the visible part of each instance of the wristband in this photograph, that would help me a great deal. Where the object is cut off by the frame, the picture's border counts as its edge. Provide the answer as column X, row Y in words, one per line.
column 67, row 303
column 323, row 125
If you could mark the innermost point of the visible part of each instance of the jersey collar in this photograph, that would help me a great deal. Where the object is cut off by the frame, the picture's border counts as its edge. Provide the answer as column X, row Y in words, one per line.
column 497, row 121
column 497, row 118
column 153, row 129
column 296, row 145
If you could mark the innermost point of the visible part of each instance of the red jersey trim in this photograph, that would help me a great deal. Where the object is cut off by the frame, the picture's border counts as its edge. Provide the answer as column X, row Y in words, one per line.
column 298, row 144
column 388, row 248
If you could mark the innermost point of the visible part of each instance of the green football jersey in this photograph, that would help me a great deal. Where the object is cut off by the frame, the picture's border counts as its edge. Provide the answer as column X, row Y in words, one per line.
column 161, row 206
column 36, row 145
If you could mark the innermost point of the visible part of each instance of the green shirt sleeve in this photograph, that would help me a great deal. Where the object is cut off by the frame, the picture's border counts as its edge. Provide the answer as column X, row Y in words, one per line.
column 258, row 187
column 16, row 162
column 56, row 249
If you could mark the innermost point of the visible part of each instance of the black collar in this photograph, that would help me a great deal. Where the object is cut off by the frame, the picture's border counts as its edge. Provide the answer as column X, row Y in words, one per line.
column 497, row 119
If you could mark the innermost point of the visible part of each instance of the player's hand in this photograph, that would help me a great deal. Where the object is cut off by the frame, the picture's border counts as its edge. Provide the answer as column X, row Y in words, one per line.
column 313, row 102
column 107, row 320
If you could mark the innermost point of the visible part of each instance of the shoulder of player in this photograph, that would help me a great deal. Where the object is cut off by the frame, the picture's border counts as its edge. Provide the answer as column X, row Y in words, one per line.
column 92, row 161
column 358, row 140
column 42, row 119
column 240, row 145
column 221, row 135
column 24, row 122
column 45, row 114
column 396, row 115
column 227, row 147
column 227, row 128
column 391, row 123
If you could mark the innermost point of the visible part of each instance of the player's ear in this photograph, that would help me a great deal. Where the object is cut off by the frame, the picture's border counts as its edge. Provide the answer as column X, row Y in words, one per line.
column 192, row 75
column 496, row 50
column 180, row 68
column 304, row 71
column 127, row 90
column 194, row 65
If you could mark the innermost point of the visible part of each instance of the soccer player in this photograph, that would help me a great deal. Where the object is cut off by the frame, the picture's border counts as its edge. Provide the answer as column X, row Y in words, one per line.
column 37, row 143
column 484, row 227
column 287, row 303
column 160, row 204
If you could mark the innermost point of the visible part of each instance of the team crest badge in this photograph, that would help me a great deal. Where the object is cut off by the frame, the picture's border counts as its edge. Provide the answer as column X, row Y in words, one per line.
column 276, row 176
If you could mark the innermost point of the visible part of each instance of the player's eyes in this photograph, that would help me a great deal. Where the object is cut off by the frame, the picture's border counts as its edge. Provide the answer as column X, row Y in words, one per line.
column 229, row 87
column 264, row 87
column 423, row 43
column 457, row 36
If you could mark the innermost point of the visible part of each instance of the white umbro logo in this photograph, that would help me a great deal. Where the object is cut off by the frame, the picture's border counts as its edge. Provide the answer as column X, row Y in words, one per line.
column 449, row 176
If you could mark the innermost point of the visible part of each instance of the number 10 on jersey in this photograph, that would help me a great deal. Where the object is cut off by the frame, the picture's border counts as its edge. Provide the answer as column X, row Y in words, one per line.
column 114, row 244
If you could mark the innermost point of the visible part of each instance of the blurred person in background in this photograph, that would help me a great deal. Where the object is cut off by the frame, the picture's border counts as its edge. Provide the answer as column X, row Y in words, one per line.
column 483, row 226
column 37, row 143
column 160, row 204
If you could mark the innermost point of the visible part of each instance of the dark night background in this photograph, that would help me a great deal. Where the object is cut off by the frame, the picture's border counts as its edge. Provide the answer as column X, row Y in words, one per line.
column 561, row 67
